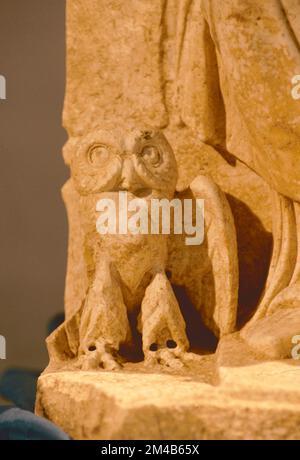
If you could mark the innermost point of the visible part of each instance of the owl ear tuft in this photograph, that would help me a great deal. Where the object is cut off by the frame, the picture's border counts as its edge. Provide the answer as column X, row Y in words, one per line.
column 70, row 149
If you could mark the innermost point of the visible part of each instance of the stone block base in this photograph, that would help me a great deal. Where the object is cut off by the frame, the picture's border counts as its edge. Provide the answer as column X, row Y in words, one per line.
column 259, row 401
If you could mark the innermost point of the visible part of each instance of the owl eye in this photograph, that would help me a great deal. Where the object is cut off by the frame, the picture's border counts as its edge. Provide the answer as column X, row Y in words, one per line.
column 151, row 155
column 98, row 154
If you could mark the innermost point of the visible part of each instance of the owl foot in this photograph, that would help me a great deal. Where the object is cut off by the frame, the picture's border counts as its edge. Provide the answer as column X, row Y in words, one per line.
column 164, row 338
column 167, row 358
column 99, row 356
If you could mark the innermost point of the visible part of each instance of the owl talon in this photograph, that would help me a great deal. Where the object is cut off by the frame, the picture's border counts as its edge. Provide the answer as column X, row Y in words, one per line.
column 99, row 357
column 166, row 358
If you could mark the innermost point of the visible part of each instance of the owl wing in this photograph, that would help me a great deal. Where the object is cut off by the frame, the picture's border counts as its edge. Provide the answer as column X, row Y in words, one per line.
column 209, row 272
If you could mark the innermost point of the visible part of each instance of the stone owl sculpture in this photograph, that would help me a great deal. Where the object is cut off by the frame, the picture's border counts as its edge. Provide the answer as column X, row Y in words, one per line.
column 131, row 275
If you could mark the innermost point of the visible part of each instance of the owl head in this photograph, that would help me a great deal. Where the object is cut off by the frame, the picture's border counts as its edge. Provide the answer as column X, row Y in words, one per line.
column 138, row 161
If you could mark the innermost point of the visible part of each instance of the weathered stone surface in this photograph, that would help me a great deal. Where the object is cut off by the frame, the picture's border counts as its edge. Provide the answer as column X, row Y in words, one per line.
column 214, row 86
column 258, row 54
column 155, row 63
column 272, row 336
column 261, row 401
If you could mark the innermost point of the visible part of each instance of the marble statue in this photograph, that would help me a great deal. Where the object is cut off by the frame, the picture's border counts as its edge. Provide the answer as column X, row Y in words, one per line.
column 215, row 83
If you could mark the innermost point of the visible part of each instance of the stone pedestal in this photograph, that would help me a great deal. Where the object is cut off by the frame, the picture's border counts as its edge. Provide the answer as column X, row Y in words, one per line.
column 256, row 402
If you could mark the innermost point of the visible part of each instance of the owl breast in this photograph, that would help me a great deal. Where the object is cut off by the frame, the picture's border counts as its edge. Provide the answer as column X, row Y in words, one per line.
column 133, row 255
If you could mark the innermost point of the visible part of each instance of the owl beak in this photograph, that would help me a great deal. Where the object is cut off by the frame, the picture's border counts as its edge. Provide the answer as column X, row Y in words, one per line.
column 128, row 178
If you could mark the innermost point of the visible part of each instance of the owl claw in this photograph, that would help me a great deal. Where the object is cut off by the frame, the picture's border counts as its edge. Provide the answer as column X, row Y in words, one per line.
column 172, row 359
column 99, row 357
